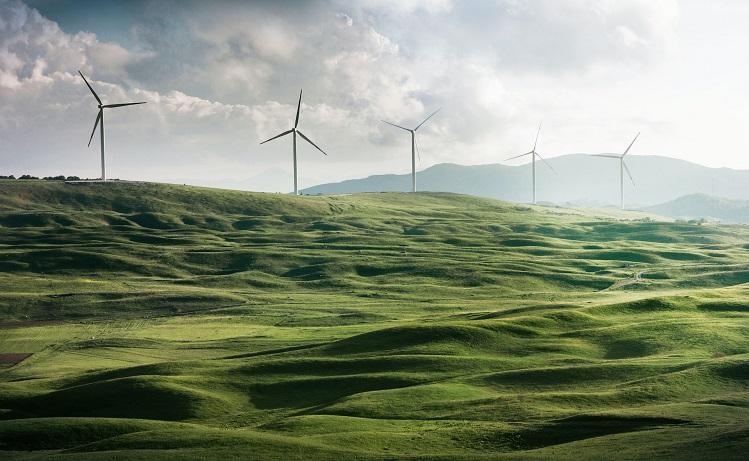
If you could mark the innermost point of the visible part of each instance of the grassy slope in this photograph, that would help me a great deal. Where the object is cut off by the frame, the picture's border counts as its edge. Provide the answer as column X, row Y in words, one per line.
column 172, row 322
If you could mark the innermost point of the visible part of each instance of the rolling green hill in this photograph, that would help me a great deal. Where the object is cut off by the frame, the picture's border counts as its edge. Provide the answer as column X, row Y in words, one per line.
column 174, row 322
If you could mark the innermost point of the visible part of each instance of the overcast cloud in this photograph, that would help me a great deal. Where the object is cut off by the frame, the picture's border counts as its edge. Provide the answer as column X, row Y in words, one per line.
column 220, row 76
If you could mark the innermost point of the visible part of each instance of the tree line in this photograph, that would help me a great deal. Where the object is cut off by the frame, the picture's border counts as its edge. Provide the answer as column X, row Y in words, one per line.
column 46, row 178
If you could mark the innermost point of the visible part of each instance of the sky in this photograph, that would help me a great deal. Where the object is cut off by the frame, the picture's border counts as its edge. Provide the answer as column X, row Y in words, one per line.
column 218, row 77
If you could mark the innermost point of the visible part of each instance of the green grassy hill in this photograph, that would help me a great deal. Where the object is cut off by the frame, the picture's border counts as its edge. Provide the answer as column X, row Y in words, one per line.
column 172, row 322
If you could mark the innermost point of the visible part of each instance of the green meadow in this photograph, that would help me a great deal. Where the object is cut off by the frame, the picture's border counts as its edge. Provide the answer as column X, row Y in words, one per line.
column 178, row 323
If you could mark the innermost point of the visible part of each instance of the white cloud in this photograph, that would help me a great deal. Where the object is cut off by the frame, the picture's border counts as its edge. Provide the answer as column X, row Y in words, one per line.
column 409, row 7
column 31, row 46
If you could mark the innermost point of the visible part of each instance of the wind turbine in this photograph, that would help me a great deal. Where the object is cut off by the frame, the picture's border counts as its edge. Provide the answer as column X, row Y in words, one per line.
column 100, row 118
column 622, row 169
column 295, row 132
column 413, row 146
column 533, row 155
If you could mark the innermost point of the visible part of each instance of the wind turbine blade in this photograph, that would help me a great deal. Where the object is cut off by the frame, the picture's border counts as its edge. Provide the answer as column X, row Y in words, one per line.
column 425, row 120
column 605, row 155
column 397, row 126
column 108, row 106
column 89, row 87
column 626, row 168
column 535, row 143
column 98, row 117
column 518, row 156
column 278, row 136
column 547, row 163
column 298, row 107
column 308, row 140
column 630, row 145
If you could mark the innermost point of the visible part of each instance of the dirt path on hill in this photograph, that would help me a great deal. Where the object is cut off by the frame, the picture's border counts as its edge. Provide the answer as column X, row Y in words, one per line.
column 637, row 278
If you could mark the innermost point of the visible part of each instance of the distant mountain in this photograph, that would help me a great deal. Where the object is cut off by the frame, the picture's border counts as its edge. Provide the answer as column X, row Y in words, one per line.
column 698, row 206
column 579, row 179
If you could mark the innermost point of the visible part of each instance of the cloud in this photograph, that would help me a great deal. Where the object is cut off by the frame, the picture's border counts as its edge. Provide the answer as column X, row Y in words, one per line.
column 31, row 46
column 577, row 35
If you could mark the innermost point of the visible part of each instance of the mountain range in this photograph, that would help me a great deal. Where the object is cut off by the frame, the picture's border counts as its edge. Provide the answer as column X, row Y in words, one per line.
column 703, row 206
column 576, row 179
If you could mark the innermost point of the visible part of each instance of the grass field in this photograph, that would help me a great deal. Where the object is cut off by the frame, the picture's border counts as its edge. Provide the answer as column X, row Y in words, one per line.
column 173, row 322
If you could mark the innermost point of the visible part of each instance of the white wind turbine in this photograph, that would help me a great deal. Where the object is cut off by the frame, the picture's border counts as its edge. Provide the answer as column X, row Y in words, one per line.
column 413, row 146
column 294, row 131
column 533, row 155
column 100, row 118
column 622, row 169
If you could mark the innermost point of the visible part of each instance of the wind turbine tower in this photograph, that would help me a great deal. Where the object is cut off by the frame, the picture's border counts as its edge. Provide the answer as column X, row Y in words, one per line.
column 622, row 168
column 100, row 118
column 294, row 131
column 533, row 155
column 414, row 146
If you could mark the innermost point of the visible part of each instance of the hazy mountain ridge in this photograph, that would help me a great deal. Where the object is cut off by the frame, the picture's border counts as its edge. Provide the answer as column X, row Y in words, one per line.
column 698, row 206
column 579, row 178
